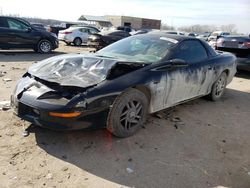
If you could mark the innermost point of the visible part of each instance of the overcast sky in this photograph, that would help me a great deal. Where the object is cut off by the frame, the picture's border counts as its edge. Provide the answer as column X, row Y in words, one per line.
column 173, row 12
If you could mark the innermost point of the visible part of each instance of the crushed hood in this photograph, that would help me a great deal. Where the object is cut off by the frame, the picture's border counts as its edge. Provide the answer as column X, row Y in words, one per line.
column 79, row 70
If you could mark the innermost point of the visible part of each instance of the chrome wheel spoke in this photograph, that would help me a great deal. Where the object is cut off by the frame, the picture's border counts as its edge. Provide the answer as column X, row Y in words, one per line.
column 138, row 109
column 220, row 86
column 122, row 119
column 138, row 117
column 124, row 113
column 134, row 121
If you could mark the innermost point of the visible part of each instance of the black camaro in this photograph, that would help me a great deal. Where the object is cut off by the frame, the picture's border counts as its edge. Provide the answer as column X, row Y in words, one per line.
column 118, row 86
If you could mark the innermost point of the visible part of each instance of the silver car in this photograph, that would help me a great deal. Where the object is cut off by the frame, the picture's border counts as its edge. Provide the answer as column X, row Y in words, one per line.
column 76, row 35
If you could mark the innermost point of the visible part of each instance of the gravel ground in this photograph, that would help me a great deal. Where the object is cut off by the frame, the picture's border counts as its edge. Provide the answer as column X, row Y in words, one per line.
column 195, row 145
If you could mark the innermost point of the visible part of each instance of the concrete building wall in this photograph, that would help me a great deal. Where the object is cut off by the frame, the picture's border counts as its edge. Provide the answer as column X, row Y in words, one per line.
column 151, row 24
column 115, row 20
column 134, row 22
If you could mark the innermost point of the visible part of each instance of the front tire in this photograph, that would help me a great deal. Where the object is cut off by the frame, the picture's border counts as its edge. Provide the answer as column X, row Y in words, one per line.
column 218, row 88
column 128, row 113
column 44, row 46
column 77, row 41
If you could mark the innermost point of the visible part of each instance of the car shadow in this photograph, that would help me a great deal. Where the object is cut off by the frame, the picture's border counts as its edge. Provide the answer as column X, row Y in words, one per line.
column 243, row 74
column 24, row 56
column 162, row 152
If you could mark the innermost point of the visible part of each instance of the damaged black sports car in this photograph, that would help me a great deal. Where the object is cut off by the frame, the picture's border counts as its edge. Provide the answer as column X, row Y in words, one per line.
column 119, row 85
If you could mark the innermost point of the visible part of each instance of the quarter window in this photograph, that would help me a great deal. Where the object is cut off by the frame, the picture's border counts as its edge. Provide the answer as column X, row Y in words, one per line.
column 191, row 51
column 84, row 30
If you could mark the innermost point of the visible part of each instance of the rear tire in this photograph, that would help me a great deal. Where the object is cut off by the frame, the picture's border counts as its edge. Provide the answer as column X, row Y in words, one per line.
column 128, row 113
column 44, row 46
column 218, row 88
column 77, row 41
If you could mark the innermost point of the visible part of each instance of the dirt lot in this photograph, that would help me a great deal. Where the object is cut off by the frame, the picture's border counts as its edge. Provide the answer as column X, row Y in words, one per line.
column 195, row 145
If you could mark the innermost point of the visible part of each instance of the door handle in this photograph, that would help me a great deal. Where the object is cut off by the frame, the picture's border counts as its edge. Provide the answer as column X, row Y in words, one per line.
column 156, row 81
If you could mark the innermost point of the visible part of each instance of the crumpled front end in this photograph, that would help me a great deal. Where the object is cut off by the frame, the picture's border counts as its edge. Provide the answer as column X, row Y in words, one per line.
column 77, row 70
column 69, row 91
column 52, row 107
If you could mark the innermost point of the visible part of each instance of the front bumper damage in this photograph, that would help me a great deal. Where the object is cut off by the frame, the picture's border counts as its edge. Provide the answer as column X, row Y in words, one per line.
column 34, row 102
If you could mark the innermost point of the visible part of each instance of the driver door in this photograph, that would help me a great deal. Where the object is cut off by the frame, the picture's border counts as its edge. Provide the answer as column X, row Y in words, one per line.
column 177, row 83
column 20, row 35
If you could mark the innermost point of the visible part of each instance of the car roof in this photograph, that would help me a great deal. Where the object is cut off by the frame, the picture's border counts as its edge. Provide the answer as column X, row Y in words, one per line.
column 79, row 27
column 176, row 37
column 17, row 18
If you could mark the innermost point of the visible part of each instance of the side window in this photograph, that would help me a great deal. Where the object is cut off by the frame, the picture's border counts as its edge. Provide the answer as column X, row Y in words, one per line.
column 93, row 31
column 191, row 51
column 84, row 30
column 17, row 25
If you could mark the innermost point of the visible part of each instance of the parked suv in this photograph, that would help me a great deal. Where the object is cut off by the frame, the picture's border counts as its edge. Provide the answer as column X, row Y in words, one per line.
column 16, row 33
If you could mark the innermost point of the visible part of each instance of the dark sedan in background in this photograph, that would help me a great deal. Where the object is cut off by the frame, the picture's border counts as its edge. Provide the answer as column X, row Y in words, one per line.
column 16, row 33
column 238, row 45
column 100, row 40
column 119, row 85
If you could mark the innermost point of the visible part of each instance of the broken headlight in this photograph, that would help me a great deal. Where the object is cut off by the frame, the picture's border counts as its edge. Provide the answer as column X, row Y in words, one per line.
column 81, row 104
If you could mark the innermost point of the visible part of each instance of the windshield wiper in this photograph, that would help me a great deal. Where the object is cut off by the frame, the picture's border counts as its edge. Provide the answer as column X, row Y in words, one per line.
column 105, row 56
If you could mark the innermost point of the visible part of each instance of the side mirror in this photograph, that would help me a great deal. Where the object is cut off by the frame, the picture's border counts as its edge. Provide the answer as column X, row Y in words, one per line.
column 29, row 29
column 178, row 63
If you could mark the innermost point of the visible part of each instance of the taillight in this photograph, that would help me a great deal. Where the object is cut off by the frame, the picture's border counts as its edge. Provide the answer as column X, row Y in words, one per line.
column 66, row 32
column 246, row 44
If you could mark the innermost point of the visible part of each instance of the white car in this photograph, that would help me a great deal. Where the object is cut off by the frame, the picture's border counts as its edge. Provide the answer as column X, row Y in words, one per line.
column 212, row 39
column 214, row 35
column 76, row 35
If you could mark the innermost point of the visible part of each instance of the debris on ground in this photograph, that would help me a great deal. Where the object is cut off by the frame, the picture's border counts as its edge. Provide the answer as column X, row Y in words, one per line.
column 2, row 73
column 159, row 115
column 49, row 176
column 175, row 119
column 65, row 168
column 15, row 68
column 7, row 80
column 25, row 133
column 5, row 105
column 178, row 124
column 129, row 170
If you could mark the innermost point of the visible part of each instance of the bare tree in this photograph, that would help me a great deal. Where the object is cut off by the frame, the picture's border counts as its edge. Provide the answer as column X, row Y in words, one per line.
column 165, row 26
column 229, row 28
column 198, row 28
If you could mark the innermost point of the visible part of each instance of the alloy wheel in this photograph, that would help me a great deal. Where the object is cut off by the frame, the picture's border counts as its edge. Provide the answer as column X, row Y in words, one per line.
column 131, row 114
column 45, row 46
column 220, row 86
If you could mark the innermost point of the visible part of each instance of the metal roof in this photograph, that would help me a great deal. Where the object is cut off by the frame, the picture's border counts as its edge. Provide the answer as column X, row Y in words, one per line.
column 93, row 18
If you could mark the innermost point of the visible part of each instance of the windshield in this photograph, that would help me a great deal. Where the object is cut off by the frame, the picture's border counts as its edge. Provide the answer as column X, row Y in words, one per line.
column 140, row 48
